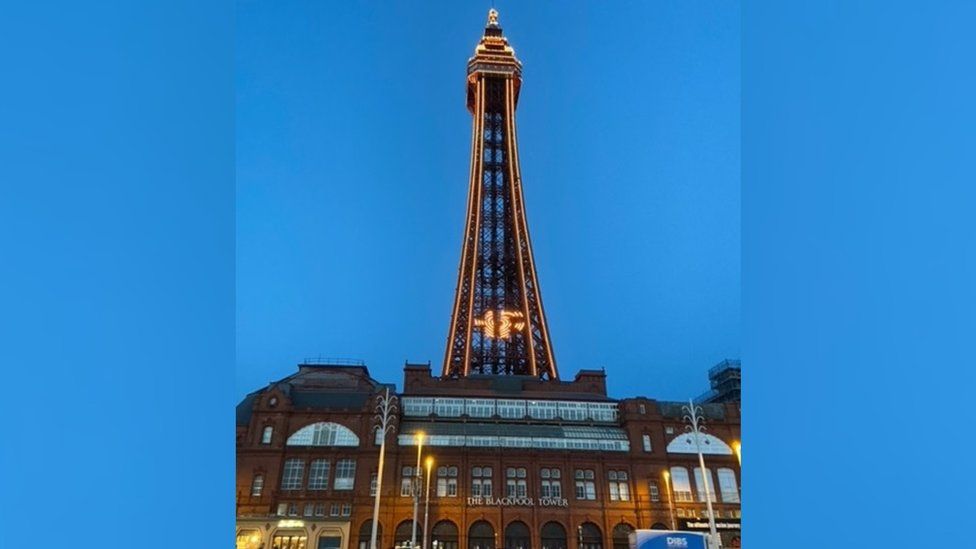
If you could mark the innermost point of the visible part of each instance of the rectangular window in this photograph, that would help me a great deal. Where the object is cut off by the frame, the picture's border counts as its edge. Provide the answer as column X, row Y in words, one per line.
column 727, row 485
column 346, row 509
column 291, row 477
column 448, row 407
column 447, row 481
column 257, row 485
column 642, row 408
column 320, row 509
column 585, row 486
column 318, row 475
column 282, row 509
column 654, row 491
column 481, row 482
column 619, row 488
column 292, row 509
column 510, row 409
column 551, row 486
column 266, row 435
column 681, row 484
column 414, row 406
column 406, row 482
column 345, row 474
column 372, row 484
column 334, row 510
column 378, row 437
column 646, row 439
column 700, row 484
column 309, row 508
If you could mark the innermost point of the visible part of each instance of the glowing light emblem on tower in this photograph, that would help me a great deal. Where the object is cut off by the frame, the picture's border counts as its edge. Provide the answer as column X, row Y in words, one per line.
column 502, row 326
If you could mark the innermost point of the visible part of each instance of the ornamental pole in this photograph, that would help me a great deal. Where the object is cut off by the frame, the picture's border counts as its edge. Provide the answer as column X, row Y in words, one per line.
column 385, row 413
column 695, row 426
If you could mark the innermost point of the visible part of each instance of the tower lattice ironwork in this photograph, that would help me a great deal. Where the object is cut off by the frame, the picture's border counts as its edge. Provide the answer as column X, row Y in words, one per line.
column 498, row 324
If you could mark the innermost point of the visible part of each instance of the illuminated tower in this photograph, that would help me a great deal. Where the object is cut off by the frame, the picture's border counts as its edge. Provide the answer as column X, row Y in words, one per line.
column 498, row 325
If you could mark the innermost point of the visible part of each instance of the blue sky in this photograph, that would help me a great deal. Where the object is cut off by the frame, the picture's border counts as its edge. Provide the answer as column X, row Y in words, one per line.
column 352, row 163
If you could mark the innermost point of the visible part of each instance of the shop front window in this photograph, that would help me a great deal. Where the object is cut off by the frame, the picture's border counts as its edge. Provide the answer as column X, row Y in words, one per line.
column 249, row 539
column 289, row 541
column 330, row 542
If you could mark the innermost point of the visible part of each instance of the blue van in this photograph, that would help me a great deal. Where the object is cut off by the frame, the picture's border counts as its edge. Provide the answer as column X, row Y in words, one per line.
column 667, row 539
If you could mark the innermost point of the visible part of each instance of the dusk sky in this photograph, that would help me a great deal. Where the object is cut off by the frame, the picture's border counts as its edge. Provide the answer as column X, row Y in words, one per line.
column 353, row 147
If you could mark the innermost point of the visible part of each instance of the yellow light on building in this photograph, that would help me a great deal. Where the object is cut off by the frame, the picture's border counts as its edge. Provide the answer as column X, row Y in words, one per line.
column 500, row 326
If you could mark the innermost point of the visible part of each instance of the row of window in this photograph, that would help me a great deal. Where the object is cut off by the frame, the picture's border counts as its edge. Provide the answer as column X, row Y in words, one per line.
column 703, row 513
column 293, row 474
column 618, row 486
column 510, row 408
column 314, row 510
column 568, row 442
column 681, row 485
column 325, row 434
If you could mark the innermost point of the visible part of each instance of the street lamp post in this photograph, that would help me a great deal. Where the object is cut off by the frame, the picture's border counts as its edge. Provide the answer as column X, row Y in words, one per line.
column 667, row 484
column 430, row 463
column 385, row 413
column 416, row 491
column 693, row 415
column 737, row 448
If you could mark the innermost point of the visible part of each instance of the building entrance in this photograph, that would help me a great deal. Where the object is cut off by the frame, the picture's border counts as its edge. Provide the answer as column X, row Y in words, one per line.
column 517, row 536
column 481, row 535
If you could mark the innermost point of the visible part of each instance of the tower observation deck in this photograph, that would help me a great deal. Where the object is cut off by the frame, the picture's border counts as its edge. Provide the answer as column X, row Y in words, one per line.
column 498, row 324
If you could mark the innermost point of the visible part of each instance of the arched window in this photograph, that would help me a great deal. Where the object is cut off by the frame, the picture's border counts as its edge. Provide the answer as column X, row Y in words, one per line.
column 257, row 485
column 517, row 536
column 404, row 534
column 481, row 535
column 444, row 535
column 727, row 485
column 621, row 535
column 366, row 532
column 710, row 444
column 700, row 484
column 590, row 536
column 681, row 484
column 553, row 536
column 323, row 434
column 266, row 434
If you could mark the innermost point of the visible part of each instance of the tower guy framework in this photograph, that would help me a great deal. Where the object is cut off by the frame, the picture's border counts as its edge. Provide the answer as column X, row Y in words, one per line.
column 498, row 325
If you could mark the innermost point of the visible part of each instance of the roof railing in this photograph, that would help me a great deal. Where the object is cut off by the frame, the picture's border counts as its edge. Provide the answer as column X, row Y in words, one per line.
column 332, row 361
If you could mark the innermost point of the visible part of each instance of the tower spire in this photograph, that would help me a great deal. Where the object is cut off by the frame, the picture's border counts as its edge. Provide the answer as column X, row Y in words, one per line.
column 498, row 325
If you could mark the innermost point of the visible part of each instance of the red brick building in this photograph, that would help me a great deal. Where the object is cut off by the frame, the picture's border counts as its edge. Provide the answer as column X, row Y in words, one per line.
column 523, row 458
column 519, row 462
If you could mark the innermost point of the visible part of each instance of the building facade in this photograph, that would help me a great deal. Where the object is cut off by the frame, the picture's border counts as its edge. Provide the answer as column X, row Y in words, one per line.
column 523, row 459
column 520, row 463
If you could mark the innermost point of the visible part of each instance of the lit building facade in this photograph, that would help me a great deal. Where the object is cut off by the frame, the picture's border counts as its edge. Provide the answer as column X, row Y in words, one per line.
column 523, row 458
column 520, row 463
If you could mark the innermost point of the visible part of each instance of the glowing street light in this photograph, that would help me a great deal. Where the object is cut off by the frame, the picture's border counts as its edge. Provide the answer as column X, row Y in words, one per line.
column 416, row 490
column 430, row 464
column 737, row 448
column 667, row 484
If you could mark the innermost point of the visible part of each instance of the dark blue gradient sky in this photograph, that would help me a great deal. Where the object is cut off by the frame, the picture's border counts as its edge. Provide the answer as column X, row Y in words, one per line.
column 352, row 159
